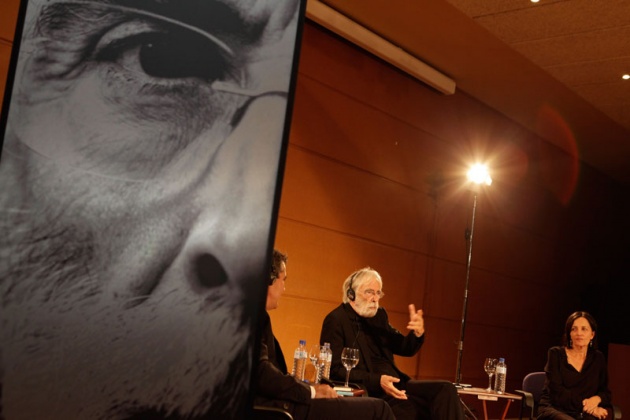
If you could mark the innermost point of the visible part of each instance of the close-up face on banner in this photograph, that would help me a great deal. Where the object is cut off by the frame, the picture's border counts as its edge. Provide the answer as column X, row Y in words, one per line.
column 141, row 159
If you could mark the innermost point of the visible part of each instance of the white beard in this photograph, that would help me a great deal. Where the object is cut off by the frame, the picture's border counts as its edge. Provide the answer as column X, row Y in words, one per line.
column 365, row 308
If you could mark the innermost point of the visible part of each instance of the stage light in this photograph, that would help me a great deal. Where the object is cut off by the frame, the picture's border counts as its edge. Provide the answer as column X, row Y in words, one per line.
column 479, row 175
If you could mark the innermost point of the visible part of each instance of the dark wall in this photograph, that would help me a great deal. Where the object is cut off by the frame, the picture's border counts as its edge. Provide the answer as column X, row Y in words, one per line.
column 606, row 274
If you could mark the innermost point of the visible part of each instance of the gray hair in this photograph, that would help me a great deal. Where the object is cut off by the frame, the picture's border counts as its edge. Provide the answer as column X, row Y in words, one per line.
column 359, row 278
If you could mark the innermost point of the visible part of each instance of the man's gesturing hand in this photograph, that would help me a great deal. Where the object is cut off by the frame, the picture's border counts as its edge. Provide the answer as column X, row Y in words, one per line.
column 416, row 321
column 387, row 383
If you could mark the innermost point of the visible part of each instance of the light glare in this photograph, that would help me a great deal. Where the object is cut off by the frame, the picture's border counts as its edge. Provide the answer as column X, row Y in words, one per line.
column 478, row 174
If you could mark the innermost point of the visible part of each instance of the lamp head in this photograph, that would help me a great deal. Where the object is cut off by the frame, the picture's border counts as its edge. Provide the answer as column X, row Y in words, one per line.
column 478, row 174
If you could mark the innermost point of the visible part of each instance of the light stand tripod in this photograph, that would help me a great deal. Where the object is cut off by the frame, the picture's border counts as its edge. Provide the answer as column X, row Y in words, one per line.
column 469, row 241
column 478, row 174
column 460, row 345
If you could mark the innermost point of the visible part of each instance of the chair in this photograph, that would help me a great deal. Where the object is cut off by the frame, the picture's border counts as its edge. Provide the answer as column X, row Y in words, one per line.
column 533, row 384
column 262, row 412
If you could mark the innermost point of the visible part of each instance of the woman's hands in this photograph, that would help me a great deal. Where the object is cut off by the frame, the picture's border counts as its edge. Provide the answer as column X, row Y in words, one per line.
column 599, row 412
column 591, row 406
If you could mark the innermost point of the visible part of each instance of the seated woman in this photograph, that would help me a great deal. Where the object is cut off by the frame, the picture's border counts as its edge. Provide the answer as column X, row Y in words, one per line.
column 577, row 378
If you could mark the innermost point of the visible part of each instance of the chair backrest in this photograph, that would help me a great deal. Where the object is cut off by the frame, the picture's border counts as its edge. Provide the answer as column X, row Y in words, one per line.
column 534, row 383
column 261, row 412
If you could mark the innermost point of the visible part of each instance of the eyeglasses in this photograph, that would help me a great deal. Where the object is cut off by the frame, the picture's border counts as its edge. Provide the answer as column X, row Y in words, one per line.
column 374, row 293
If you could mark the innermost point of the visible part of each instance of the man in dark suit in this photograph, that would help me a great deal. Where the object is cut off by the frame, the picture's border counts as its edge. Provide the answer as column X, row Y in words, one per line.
column 360, row 323
column 274, row 387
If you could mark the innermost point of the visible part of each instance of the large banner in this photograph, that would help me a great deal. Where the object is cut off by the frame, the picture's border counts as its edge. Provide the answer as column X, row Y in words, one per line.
column 142, row 153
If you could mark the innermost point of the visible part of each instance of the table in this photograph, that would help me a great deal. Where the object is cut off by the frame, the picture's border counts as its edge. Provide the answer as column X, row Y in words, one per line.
column 484, row 396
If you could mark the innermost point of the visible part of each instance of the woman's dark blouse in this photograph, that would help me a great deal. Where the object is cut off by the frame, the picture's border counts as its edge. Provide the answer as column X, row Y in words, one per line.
column 566, row 388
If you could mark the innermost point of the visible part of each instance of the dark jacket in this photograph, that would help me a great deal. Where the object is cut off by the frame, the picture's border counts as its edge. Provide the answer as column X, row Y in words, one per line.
column 274, row 386
column 344, row 328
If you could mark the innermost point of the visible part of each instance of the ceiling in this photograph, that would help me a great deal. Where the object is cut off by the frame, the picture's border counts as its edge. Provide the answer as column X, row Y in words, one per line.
column 522, row 58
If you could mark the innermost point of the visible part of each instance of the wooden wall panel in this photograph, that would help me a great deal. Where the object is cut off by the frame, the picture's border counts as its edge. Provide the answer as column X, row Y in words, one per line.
column 354, row 132
column 8, row 18
column 619, row 367
column 441, row 299
column 297, row 318
column 530, row 208
column 438, row 357
column 343, row 198
column 509, row 250
column 321, row 259
column 5, row 55
column 358, row 77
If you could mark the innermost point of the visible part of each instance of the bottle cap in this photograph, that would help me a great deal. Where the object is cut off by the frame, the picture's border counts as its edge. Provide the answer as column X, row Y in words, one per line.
column 501, row 360
column 302, row 342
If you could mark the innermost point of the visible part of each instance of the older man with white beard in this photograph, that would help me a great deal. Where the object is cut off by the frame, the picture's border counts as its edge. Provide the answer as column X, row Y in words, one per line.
column 359, row 322
column 276, row 388
column 137, row 186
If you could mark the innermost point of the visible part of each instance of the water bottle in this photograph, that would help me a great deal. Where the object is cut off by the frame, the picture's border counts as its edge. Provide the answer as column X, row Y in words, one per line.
column 500, row 373
column 327, row 362
column 300, row 356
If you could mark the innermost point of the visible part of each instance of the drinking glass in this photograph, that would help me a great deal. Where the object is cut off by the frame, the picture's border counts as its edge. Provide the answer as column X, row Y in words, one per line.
column 349, row 358
column 489, row 365
column 317, row 354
